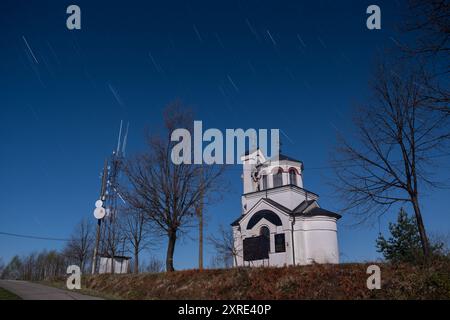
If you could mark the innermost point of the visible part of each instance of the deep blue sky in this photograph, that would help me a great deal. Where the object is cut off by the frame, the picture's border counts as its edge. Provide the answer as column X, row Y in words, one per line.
column 300, row 66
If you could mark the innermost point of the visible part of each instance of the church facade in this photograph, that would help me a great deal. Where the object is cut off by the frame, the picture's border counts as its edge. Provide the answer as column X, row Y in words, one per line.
column 281, row 223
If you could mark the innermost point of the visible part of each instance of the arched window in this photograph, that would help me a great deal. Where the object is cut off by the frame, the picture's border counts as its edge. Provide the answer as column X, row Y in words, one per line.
column 264, row 182
column 265, row 232
column 292, row 177
column 278, row 178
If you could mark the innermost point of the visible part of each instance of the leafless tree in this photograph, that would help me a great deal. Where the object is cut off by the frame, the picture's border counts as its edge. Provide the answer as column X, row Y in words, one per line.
column 154, row 266
column 441, row 240
column 36, row 266
column 437, row 93
column 2, row 266
column 12, row 270
column 137, row 232
column 397, row 141
column 430, row 21
column 168, row 193
column 79, row 248
column 226, row 251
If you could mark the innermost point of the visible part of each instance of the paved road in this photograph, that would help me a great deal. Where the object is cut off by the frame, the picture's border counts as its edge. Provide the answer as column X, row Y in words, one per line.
column 33, row 291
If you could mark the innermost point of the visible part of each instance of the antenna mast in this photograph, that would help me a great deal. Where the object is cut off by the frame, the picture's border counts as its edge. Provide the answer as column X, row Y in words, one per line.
column 99, row 221
column 107, row 236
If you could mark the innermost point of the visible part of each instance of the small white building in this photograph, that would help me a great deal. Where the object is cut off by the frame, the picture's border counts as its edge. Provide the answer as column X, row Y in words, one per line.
column 121, row 264
column 281, row 222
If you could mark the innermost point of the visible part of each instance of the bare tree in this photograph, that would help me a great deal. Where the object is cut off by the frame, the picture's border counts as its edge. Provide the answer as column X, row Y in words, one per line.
column 79, row 248
column 2, row 266
column 154, row 266
column 226, row 251
column 36, row 266
column 13, row 269
column 397, row 141
column 430, row 21
column 437, row 93
column 200, row 216
column 137, row 233
column 441, row 241
column 168, row 193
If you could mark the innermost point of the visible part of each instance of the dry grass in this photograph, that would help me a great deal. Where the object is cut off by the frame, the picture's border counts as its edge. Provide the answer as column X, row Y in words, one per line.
column 7, row 295
column 345, row 281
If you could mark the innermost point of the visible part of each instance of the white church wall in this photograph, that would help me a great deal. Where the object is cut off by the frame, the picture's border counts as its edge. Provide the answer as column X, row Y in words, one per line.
column 277, row 259
column 317, row 240
column 300, row 247
column 247, row 179
column 323, row 247
column 268, row 170
column 249, row 163
column 288, row 196
column 286, row 166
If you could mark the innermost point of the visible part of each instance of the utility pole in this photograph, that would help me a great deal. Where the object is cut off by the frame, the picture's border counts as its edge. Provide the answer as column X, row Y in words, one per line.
column 99, row 221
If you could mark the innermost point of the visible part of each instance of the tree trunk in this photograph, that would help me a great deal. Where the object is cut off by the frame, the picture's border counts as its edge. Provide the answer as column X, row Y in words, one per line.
column 200, row 240
column 170, row 251
column 200, row 224
column 136, row 261
column 82, row 265
column 421, row 227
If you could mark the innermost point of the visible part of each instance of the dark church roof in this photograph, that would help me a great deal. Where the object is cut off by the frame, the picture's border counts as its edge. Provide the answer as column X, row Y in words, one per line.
column 236, row 222
column 264, row 214
column 279, row 206
column 320, row 212
column 302, row 206
column 282, row 157
column 292, row 186
column 299, row 211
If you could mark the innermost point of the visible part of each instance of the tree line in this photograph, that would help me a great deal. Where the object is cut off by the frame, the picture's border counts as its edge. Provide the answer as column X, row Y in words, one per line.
column 51, row 264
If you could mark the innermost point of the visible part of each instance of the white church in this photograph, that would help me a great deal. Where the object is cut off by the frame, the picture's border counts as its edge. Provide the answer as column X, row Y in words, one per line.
column 281, row 223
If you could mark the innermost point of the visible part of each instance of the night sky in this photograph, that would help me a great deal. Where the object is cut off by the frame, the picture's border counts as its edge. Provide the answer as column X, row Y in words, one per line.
column 301, row 66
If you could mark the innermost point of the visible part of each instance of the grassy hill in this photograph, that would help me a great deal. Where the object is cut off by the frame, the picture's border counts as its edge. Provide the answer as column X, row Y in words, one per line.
column 345, row 281
column 6, row 295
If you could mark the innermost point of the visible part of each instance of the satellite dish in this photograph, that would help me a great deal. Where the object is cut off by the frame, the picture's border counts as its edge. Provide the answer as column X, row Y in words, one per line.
column 98, row 203
column 99, row 213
